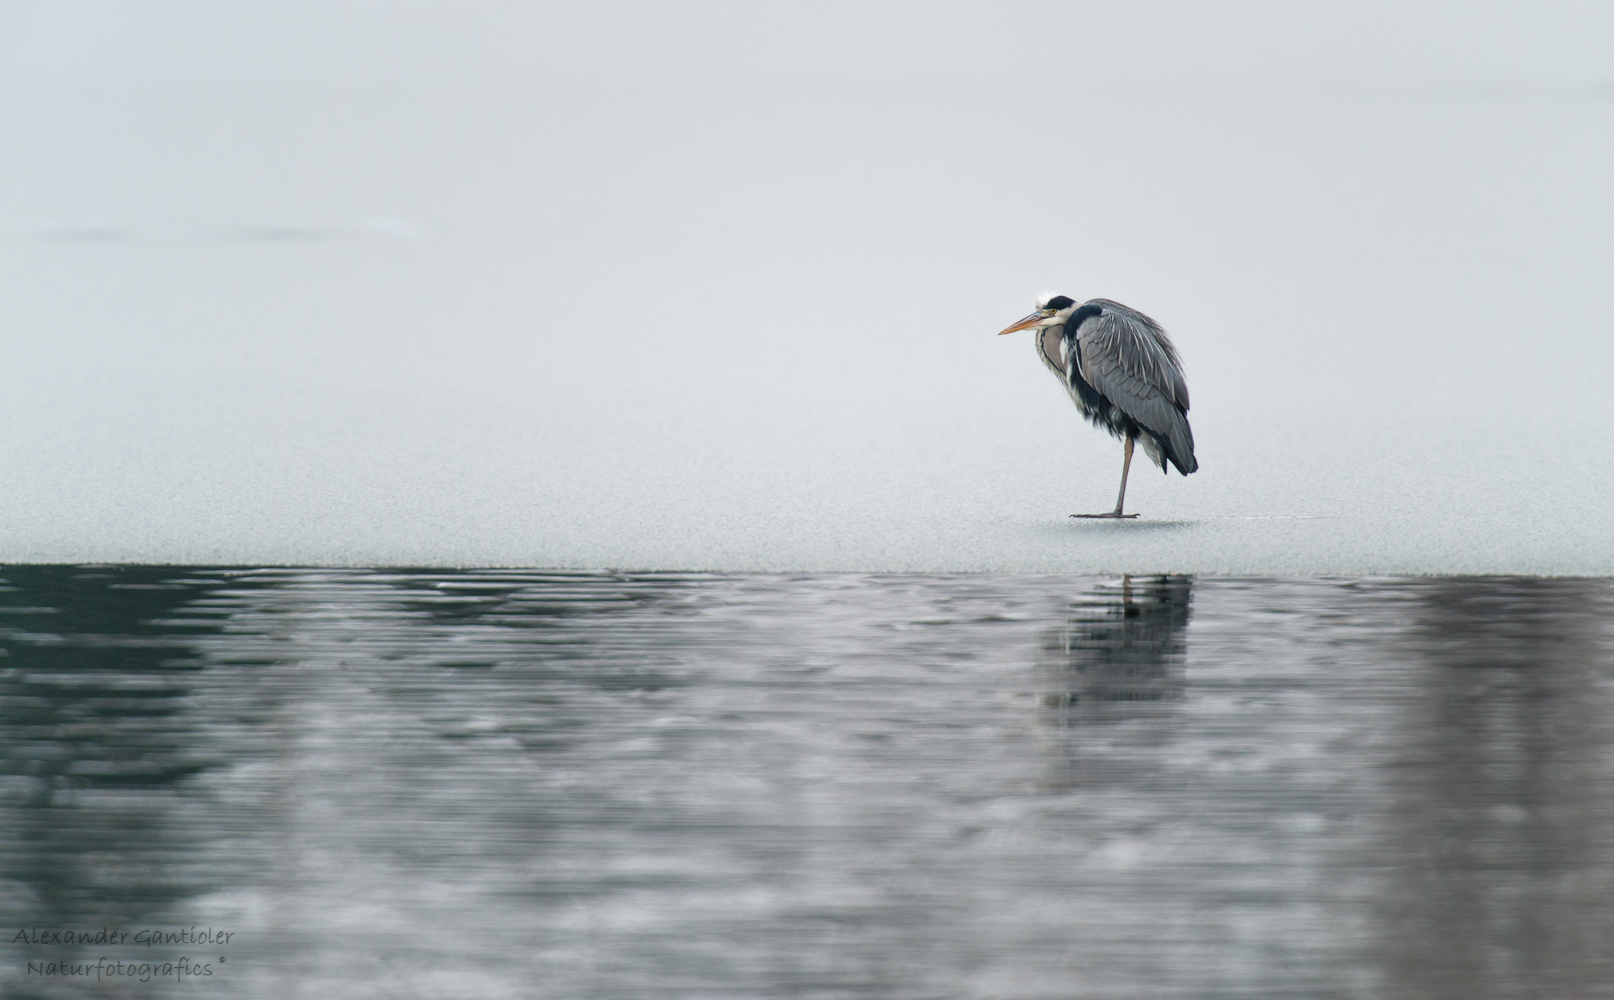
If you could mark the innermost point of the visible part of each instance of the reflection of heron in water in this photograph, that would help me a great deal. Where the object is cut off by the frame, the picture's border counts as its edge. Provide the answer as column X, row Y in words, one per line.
column 1119, row 644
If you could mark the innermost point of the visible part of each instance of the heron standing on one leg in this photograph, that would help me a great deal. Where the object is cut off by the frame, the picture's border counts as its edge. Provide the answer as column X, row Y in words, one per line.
column 1123, row 375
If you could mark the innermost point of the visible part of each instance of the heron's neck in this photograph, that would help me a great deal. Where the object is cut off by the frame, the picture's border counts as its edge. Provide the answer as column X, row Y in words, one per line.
column 1048, row 348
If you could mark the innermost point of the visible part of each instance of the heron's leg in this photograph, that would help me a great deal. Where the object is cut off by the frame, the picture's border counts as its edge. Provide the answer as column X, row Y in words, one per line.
column 1126, row 466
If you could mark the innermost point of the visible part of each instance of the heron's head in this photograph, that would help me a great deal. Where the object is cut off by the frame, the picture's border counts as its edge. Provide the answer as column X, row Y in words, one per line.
column 1052, row 308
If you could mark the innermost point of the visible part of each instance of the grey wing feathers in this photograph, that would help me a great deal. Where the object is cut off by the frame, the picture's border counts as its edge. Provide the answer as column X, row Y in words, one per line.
column 1128, row 358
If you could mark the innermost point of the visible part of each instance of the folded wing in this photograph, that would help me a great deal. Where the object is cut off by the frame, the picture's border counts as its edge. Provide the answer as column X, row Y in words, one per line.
column 1128, row 358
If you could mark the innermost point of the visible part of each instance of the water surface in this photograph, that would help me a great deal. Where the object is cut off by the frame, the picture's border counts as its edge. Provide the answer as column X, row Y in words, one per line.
column 490, row 783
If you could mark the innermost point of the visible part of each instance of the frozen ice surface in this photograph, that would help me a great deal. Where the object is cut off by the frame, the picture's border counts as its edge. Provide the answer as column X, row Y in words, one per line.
column 746, row 322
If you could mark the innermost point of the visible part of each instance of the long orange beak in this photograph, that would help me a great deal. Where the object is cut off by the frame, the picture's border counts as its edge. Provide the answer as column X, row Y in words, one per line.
column 1034, row 318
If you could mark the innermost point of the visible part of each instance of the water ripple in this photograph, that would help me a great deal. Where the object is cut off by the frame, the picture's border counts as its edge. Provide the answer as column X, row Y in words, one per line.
column 505, row 783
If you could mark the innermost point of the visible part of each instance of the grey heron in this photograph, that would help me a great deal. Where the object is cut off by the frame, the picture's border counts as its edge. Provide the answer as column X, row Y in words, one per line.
column 1121, row 372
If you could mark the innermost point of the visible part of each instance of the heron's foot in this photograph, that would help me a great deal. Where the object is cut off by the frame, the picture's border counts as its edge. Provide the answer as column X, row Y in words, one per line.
column 1111, row 514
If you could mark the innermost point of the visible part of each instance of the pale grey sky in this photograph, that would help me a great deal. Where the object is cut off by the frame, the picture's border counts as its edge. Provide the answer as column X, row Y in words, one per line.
column 1369, row 41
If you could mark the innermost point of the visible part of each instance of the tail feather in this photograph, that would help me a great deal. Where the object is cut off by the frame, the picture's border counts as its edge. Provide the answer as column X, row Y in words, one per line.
column 1178, row 445
column 1175, row 446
